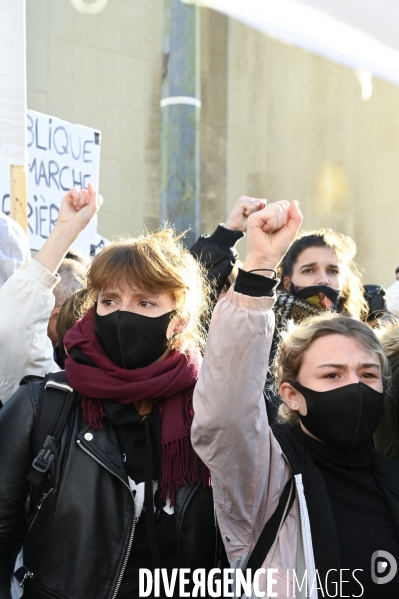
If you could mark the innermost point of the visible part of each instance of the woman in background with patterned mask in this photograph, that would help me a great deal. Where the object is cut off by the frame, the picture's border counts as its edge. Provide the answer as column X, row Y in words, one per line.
column 318, row 273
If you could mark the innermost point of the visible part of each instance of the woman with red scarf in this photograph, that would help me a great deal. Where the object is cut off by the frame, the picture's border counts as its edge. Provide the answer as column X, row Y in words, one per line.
column 129, row 492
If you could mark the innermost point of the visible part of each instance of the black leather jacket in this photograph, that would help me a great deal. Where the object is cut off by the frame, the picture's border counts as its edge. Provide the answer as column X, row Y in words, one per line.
column 78, row 541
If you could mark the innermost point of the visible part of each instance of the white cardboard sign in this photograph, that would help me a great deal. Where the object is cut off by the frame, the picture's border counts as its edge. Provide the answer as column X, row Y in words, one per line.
column 61, row 155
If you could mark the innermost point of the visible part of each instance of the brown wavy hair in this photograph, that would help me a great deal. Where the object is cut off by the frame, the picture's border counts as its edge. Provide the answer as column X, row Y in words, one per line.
column 157, row 263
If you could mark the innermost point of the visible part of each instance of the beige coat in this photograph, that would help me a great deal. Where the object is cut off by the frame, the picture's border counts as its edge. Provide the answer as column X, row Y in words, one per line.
column 231, row 435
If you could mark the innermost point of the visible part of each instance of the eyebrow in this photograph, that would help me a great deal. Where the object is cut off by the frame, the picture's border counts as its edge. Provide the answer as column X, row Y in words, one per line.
column 364, row 365
column 315, row 264
column 111, row 294
column 136, row 293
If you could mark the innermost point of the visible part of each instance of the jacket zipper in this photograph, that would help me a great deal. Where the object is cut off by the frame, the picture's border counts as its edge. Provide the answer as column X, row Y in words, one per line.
column 217, row 539
column 303, row 537
column 129, row 547
column 26, row 575
column 38, row 507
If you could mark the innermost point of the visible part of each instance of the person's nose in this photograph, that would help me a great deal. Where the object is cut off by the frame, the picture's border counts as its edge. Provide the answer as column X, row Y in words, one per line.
column 322, row 278
column 353, row 378
column 126, row 306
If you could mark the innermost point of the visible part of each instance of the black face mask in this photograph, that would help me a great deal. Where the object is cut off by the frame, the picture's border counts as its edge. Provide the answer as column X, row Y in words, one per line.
column 322, row 296
column 344, row 418
column 132, row 340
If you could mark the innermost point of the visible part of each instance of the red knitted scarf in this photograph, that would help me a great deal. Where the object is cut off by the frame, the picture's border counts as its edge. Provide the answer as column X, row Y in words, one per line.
column 171, row 382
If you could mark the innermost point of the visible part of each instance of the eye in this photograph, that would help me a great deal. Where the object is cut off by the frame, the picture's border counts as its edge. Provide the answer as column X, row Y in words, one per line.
column 146, row 304
column 369, row 375
column 334, row 271
column 107, row 302
column 308, row 271
column 331, row 375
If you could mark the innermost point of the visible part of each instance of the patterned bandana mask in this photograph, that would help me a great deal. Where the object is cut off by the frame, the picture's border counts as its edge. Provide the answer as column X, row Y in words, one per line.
column 321, row 296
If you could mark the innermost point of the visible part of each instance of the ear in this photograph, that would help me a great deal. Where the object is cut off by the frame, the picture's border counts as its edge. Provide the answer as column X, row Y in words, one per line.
column 52, row 326
column 290, row 396
column 177, row 326
column 182, row 324
column 55, row 312
column 287, row 284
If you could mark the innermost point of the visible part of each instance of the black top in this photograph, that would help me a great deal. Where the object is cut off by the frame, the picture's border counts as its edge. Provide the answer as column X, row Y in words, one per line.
column 130, row 427
column 218, row 254
column 361, row 515
column 131, row 431
column 249, row 283
column 386, row 437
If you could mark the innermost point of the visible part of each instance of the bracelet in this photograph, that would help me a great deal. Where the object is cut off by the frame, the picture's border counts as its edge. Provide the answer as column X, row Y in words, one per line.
column 263, row 270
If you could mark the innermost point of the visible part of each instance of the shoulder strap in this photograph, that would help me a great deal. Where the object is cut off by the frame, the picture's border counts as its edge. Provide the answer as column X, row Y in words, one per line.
column 55, row 403
column 271, row 528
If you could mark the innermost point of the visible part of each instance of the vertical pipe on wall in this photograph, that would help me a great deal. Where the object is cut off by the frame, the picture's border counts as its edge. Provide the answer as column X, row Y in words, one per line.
column 180, row 118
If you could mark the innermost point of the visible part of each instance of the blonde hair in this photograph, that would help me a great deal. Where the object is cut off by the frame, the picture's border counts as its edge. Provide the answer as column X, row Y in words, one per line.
column 352, row 299
column 387, row 332
column 299, row 338
column 157, row 263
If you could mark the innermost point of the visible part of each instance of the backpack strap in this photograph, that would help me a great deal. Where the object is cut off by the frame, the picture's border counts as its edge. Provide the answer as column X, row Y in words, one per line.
column 271, row 528
column 55, row 403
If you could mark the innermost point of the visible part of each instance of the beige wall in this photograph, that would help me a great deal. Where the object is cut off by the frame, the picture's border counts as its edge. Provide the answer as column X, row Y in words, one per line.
column 104, row 71
column 214, row 95
column 298, row 129
column 276, row 122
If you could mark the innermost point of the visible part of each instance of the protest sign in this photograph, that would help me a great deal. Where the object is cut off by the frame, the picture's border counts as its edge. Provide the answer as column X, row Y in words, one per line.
column 61, row 155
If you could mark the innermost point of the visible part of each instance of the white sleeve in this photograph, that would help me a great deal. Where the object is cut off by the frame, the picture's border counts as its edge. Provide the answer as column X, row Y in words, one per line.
column 26, row 302
column 392, row 298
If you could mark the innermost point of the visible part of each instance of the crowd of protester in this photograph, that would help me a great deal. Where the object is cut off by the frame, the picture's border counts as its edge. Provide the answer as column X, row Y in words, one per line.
column 170, row 408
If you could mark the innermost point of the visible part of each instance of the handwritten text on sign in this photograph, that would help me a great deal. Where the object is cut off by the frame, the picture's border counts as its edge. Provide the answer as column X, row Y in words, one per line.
column 61, row 155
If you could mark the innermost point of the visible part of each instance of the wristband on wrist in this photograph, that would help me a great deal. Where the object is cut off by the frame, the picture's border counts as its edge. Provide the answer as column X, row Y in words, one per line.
column 265, row 269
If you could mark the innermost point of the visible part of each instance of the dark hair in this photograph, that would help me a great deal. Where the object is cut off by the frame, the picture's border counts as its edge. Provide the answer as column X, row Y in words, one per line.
column 352, row 300
column 307, row 241
column 76, row 255
column 396, row 270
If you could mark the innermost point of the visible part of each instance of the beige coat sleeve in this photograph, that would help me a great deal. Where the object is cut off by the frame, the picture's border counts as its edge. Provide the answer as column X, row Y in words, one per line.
column 26, row 302
column 230, row 431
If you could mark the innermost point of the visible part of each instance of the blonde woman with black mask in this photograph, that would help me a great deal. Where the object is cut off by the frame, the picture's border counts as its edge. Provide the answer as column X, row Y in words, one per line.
column 338, row 529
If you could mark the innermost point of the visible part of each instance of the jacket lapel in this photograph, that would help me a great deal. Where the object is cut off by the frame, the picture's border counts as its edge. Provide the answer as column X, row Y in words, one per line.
column 103, row 444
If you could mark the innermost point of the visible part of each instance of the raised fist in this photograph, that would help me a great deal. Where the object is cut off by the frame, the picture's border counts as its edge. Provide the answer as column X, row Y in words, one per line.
column 270, row 232
column 243, row 208
column 78, row 207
